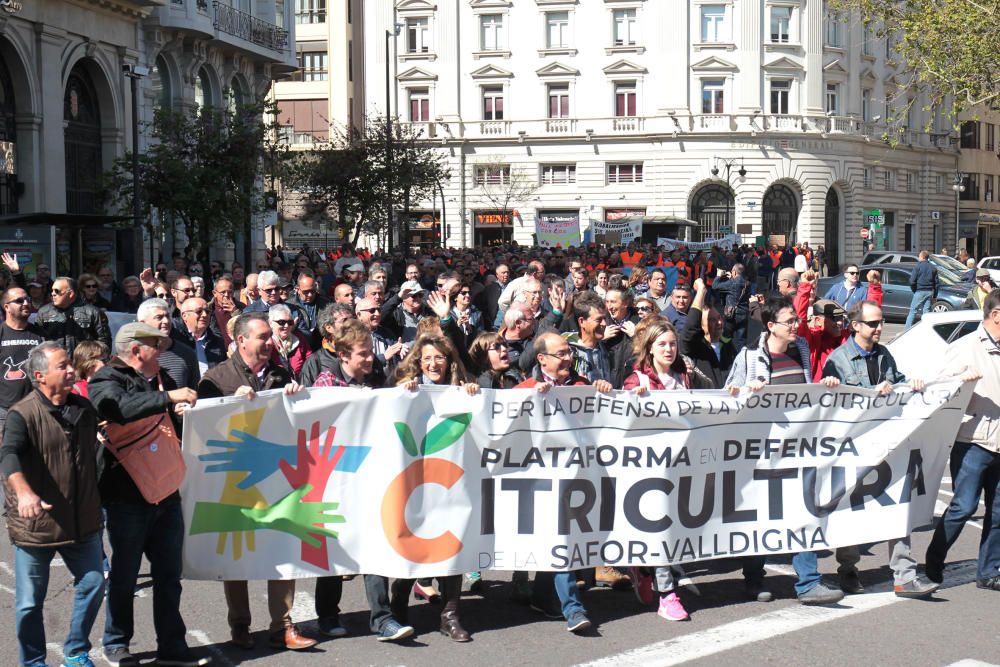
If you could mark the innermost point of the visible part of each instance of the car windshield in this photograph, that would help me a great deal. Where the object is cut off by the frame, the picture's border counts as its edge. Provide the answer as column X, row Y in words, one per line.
column 949, row 262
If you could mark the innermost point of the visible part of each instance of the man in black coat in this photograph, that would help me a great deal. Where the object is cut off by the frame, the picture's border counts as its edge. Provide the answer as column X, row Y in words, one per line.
column 705, row 347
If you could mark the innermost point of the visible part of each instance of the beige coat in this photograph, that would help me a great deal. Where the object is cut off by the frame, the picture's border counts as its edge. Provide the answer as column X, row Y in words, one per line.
column 981, row 424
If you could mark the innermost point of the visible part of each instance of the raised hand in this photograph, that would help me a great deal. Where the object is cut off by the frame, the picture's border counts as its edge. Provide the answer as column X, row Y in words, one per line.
column 148, row 280
column 439, row 303
column 249, row 454
column 10, row 261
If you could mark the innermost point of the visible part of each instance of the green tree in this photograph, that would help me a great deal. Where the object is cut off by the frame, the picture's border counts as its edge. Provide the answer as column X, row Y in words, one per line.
column 202, row 170
column 347, row 177
column 948, row 49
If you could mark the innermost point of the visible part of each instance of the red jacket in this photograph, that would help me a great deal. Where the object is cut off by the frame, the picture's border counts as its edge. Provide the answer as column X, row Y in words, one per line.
column 574, row 381
column 820, row 344
column 655, row 384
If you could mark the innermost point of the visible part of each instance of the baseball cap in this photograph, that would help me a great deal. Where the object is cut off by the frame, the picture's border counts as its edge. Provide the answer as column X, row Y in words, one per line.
column 134, row 331
column 982, row 273
column 410, row 287
column 357, row 267
column 828, row 308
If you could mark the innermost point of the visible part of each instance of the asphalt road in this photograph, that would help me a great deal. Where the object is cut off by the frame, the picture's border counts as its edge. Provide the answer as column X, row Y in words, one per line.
column 959, row 626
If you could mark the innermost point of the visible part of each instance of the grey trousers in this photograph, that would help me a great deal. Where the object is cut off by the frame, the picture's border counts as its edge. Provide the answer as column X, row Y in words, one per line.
column 901, row 561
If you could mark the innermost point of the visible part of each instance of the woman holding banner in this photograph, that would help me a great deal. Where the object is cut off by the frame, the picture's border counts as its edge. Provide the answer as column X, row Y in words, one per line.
column 433, row 360
column 660, row 366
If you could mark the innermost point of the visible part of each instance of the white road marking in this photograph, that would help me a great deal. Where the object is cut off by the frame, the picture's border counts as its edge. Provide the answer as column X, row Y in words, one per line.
column 759, row 628
column 203, row 640
column 968, row 662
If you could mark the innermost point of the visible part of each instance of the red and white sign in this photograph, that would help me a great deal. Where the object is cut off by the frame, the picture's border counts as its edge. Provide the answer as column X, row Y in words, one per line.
column 864, row 232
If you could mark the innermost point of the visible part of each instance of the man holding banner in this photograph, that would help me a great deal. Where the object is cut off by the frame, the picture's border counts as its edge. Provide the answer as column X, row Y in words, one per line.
column 863, row 362
column 782, row 358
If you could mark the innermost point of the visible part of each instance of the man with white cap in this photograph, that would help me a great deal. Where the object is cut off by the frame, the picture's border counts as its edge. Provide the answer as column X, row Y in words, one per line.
column 403, row 320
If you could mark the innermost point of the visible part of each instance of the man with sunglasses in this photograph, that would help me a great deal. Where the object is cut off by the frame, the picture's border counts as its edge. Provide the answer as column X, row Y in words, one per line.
column 67, row 320
column 862, row 361
column 208, row 347
column 181, row 289
column 850, row 291
column 17, row 338
column 269, row 286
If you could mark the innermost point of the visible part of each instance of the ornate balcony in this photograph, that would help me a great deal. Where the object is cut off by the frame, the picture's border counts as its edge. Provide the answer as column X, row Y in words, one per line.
column 241, row 24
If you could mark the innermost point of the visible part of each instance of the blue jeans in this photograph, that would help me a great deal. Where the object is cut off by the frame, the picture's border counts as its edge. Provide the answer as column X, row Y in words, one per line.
column 921, row 302
column 973, row 470
column 806, row 566
column 31, row 567
column 565, row 587
column 158, row 532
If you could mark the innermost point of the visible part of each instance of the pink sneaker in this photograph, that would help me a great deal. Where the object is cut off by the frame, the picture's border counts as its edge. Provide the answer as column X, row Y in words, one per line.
column 671, row 608
column 642, row 585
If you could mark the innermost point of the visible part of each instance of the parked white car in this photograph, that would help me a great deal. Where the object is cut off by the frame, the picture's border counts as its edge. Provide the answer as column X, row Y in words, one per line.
column 991, row 264
column 919, row 351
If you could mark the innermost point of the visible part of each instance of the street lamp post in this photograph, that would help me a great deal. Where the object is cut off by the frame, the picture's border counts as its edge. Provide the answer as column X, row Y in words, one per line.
column 959, row 188
column 389, row 36
column 134, row 73
column 742, row 173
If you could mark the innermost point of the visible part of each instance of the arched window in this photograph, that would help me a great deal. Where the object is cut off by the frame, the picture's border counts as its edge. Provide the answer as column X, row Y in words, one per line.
column 831, row 236
column 82, row 119
column 712, row 207
column 202, row 89
column 780, row 212
column 159, row 81
column 8, row 133
column 235, row 96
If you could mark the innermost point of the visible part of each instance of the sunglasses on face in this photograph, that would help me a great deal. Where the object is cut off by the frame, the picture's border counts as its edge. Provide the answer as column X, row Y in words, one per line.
column 367, row 310
column 498, row 346
column 284, row 323
column 851, row 273
column 872, row 324
column 20, row 300
column 161, row 295
column 56, row 292
column 269, row 290
column 90, row 286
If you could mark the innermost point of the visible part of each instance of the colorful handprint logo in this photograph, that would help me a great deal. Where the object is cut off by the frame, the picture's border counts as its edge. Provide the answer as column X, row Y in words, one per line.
column 423, row 471
column 248, row 460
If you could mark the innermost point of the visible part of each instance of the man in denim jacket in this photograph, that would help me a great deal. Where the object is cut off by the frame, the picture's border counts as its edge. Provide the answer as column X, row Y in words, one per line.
column 864, row 362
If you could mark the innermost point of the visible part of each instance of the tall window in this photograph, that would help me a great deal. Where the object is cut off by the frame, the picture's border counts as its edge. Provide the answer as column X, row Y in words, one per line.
column 780, row 89
column 866, row 104
column 970, row 134
column 625, row 173
column 713, row 18
column 557, row 30
column 833, row 98
column 781, row 24
column 990, row 136
column 888, row 180
column 417, row 35
column 866, row 45
column 558, row 174
column 625, row 99
column 559, row 100
column 491, row 32
column 833, row 32
column 493, row 103
column 988, row 187
column 712, row 96
column 310, row 11
column 868, row 178
column 420, row 105
column 625, row 27
column 314, row 65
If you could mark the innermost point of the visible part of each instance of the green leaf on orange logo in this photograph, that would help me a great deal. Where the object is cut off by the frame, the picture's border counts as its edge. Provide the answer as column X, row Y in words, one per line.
column 446, row 433
column 406, row 437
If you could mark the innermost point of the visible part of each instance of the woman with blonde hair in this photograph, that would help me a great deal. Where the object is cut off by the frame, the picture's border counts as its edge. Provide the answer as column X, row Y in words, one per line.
column 659, row 366
column 432, row 360
column 638, row 282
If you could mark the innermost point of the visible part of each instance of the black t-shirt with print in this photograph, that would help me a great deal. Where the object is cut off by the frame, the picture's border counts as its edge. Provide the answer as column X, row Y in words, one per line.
column 14, row 347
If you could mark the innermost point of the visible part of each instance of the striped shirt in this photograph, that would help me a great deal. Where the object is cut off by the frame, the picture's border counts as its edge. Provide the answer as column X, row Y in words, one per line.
column 786, row 370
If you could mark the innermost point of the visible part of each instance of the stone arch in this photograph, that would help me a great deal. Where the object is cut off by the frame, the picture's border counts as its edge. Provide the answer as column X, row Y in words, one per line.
column 712, row 205
column 83, row 140
column 165, row 80
column 207, row 86
column 23, row 81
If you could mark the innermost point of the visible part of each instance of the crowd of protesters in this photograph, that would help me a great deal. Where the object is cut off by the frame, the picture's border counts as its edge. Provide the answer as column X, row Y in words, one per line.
column 632, row 318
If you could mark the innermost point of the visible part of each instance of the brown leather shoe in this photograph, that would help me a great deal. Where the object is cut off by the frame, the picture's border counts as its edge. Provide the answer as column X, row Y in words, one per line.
column 240, row 637
column 451, row 628
column 291, row 639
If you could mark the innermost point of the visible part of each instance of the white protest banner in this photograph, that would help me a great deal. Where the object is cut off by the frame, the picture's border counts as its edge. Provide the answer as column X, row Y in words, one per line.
column 437, row 482
column 558, row 228
column 629, row 228
column 726, row 242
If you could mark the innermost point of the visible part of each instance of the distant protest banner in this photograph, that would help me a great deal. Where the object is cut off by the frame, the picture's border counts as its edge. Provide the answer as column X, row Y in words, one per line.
column 726, row 242
column 627, row 229
column 436, row 482
column 558, row 228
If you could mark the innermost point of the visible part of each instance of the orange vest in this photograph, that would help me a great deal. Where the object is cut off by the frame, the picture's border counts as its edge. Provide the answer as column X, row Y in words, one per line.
column 630, row 261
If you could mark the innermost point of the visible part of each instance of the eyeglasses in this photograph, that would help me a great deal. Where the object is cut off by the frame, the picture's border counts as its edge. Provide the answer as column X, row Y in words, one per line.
column 851, row 273
column 197, row 311
column 90, row 286
column 307, row 291
column 562, row 354
column 498, row 346
column 186, row 290
column 465, row 292
column 284, row 323
column 161, row 295
column 367, row 310
column 644, row 309
column 56, row 292
column 873, row 324
column 20, row 300
column 791, row 324
column 269, row 290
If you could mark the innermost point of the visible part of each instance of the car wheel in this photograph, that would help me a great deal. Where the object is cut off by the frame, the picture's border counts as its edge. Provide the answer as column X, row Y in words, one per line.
column 942, row 307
